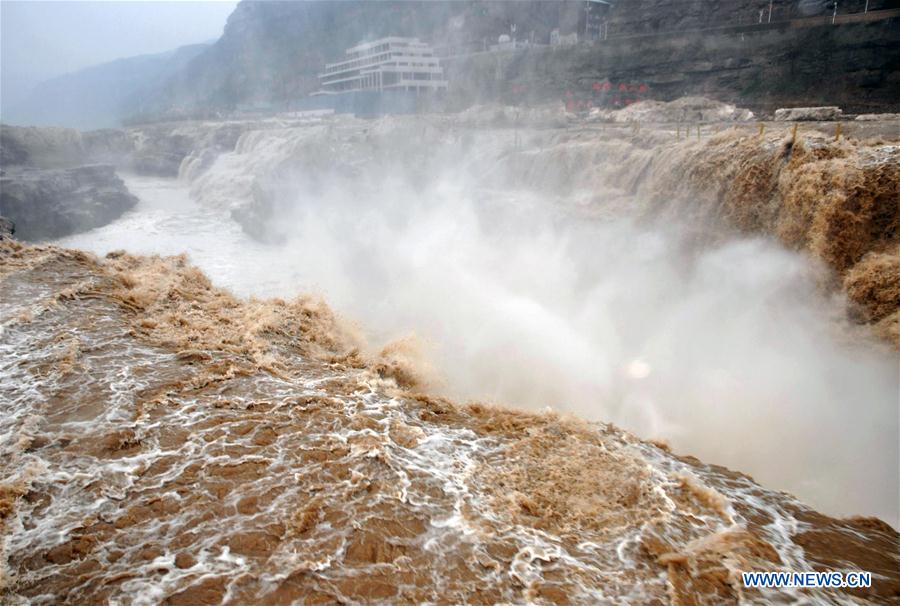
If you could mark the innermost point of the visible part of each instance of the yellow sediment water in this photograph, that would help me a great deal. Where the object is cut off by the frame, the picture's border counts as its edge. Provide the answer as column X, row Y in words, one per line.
column 191, row 447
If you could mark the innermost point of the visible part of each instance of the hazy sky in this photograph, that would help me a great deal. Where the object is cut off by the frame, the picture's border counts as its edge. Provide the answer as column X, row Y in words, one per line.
column 39, row 40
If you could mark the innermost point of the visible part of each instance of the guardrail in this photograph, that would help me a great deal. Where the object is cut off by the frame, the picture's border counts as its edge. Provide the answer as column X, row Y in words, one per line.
column 800, row 22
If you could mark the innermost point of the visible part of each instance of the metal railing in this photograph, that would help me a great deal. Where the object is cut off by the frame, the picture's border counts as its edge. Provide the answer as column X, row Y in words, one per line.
column 476, row 48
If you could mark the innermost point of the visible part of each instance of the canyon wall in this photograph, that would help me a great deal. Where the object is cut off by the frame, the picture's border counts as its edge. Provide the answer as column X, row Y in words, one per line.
column 855, row 66
column 271, row 53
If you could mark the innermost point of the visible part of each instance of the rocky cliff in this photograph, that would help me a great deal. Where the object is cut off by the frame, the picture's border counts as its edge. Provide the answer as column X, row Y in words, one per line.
column 57, row 147
column 271, row 52
column 50, row 203
column 58, row 181
column 855, row 66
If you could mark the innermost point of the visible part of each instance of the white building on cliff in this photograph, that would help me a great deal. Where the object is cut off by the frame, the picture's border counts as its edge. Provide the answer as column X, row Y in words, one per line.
column 387, row 64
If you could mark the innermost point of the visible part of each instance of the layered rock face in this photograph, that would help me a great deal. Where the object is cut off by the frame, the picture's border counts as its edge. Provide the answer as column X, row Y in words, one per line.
column 50, row 203
column 7, row 228
column 807, row 114
column 56, row 147
column 271, row 52
column 687, row 110
column 763, row 68
column 159, row 149
column 60, row 181
column 155, row 149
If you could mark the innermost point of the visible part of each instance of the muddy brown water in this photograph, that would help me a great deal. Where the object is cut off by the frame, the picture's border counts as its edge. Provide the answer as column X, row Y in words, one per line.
column 170, row 444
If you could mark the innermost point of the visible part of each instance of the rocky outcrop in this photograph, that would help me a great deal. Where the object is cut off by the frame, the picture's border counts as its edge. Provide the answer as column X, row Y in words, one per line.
column 255, row 218
column 877, row 117
column 152, row 149
column 808, row 114
column 160, row 149
column 51, row 203
column 12, row 150
column 56, row 147
column 58, row 181
column 686, row 109
column 7, row 228
column 161, row 156
column 156, row 149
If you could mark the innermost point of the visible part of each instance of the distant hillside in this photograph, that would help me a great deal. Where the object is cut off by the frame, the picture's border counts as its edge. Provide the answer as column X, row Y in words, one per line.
column 271, row 52
column 102, row 95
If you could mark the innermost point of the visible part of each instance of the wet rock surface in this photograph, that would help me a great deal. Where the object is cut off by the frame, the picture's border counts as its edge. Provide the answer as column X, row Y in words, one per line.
column 877, row 117
column 56, row 147
column 684, row 110
column 807, row 114
column 165, row 443
column 7, row 228
column 50, row 203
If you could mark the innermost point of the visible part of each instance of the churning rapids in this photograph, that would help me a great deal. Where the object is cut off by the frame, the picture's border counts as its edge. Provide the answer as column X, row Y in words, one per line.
column 201, row 429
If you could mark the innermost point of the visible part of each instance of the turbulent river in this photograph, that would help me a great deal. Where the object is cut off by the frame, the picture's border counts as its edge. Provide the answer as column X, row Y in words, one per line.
column 726, row 350
column 205, row 429
column 168, row 222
